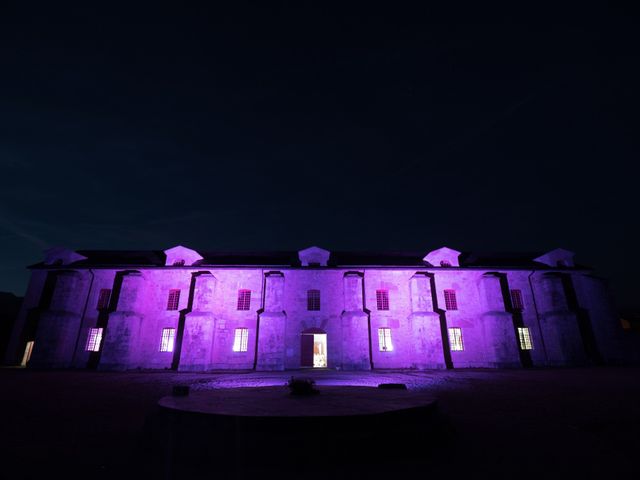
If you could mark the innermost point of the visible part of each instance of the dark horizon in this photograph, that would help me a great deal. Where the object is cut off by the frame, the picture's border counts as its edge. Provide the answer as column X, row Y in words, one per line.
column 252, row 127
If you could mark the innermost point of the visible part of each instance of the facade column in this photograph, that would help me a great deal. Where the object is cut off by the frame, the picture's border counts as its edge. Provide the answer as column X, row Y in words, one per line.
column 199, row 325
column 426, row 331
column 59, row 322
column 122, row 335
column 356, row 344
column 499, row 337
column 558, row 324
column 271, row 324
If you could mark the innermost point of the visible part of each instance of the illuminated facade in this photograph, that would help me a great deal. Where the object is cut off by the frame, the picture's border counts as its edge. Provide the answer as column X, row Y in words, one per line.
column 194, row 311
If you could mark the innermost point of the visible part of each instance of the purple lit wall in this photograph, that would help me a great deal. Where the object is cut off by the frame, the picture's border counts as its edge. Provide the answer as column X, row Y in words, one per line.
column 207, row 316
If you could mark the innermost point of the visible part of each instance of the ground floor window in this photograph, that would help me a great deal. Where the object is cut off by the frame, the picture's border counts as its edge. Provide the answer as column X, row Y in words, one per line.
column 525, row 338
column 455, row 339
column 384, row 340
column 94, row 340
column 240, row 340
column 27, row 354
column 168, row 339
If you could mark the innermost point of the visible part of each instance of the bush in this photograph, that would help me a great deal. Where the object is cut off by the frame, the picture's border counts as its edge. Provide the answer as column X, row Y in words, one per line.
column 302, row 386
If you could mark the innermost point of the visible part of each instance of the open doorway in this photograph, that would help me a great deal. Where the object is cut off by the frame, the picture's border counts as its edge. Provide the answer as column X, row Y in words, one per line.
column 313, row 348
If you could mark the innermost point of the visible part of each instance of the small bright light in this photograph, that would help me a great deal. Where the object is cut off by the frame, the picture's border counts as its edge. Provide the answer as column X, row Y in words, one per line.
column 240, row 340
column 384, row 340
column 27, row 354
column 525, row 338
column 455, row 339
column 94, row 340
column 319, row 350
column 168, row 339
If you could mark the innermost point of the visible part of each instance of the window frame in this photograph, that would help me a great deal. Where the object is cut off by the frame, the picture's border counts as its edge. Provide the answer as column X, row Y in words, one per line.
column 517, row 301
column 104, row 299
column 173, row 300
column 456, row 341
column 525, row 341
column 168, row 341
column 385, row 342
column 94, row 339
column 244, row 299
column 450, row 299
column 240, row 340
column 382, row 299
column 313, row 300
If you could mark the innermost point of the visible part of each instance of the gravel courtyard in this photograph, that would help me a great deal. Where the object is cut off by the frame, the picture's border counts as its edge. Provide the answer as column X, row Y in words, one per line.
column 560, row 423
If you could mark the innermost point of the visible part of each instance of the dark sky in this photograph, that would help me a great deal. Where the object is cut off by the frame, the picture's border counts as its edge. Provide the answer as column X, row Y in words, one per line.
column 274, row 128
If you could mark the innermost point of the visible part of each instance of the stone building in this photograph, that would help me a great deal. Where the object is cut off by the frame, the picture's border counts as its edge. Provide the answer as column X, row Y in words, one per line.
column 198, row 311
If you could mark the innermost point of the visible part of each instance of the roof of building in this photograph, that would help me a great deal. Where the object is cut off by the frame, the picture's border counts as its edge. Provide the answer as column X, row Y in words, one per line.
column 150, row 258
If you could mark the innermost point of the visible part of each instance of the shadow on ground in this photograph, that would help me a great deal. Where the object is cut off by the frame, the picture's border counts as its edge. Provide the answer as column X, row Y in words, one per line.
column 562, row 423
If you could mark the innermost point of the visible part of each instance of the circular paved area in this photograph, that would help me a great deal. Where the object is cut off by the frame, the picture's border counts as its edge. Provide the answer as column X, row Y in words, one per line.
column 413, row 380
column 278, row 402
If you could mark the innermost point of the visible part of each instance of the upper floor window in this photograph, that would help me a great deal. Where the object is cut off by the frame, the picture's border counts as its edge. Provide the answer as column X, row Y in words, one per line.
column 240, row 339
column 168, row 339
column 174, row 299
column 516, row 300
column 178, row 263
column 445, row 263
column 244, row 299
column 450, row 300
column 524, row 335
column 382, row 299
column 455, row 339
column 94, row 339
column 103, row 298
column 313, row 299
column 384, row 340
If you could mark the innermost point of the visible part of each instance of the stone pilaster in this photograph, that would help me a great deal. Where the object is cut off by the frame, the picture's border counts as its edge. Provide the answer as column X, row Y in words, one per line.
column 199, row 325
column 271, row 326
column 425, row 325
column 355, row 325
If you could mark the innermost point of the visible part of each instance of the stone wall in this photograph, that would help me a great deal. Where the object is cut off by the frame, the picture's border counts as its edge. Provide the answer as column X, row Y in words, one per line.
column 556, row 307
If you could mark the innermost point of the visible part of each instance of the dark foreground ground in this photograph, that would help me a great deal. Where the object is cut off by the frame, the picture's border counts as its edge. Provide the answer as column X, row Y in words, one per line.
column 564, row 423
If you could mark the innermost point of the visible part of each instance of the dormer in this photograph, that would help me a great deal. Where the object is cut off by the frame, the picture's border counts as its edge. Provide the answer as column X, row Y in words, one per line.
column 61, row 256
column 180, row 256
column 443, row 257
column 314, row 257
column 557, row 258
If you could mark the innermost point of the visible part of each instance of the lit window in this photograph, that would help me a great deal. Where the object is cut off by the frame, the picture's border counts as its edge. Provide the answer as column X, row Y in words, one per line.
column 174, row 299
column 450, row 300
column 103, row 298
column 168, row 339
column 525, row 338
column 516, row 300
column 178, row 263
column 384, row 340
column 313, row 299
column 244, row 299
column 240, row 340
column 445, row 263
column 27, row 353
column 455, row 339
column 382, row 299
column 94, row 340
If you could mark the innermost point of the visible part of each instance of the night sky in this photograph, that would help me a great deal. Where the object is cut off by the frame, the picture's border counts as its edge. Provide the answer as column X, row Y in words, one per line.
column 276, row 128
